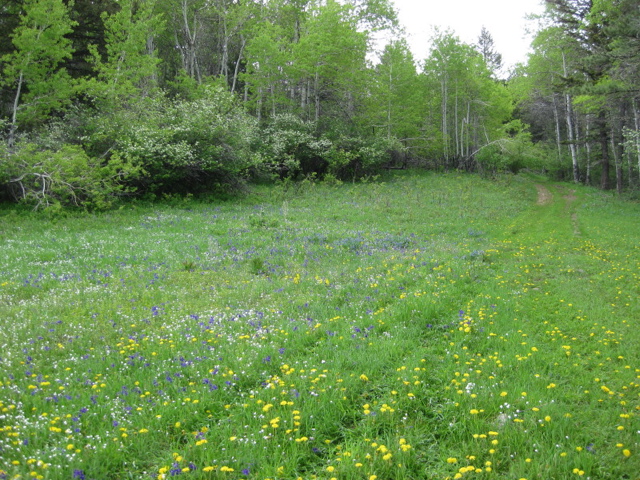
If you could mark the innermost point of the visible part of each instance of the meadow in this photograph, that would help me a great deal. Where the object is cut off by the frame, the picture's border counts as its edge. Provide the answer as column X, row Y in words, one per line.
column 417, row 326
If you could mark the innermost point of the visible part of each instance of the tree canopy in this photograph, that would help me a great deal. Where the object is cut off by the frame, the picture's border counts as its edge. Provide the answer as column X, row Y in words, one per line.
column 303, row 87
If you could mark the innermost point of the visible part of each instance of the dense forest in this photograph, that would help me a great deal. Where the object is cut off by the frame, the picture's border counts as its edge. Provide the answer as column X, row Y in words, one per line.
column 112, row 98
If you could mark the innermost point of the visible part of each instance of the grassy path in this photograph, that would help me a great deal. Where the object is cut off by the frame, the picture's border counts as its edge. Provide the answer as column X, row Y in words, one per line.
column 564, row 343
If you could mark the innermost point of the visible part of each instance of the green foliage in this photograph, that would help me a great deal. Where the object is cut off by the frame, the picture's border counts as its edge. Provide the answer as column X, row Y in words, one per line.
column 128, row 69
column 291, row 149
column 512, row 153
column 46, row 178
column 32, row 71
column 466, row 106
column 353, row 158
column 186, row 145
column 394, row 105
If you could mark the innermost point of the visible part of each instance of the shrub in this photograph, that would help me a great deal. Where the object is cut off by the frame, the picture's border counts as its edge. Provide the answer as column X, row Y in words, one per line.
column 190, row 145
column 66, row 176
column 356, row 157
column 291, row 149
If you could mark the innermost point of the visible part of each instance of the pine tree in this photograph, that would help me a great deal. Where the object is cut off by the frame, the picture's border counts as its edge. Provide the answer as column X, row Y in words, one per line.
column 487, row 49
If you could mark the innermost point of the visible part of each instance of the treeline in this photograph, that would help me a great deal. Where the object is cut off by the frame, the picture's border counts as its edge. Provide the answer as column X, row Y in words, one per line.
column 580, row 89
column 106, row 99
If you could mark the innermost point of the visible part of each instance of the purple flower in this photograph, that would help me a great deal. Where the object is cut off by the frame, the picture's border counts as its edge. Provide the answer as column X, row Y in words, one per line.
column 78, row 474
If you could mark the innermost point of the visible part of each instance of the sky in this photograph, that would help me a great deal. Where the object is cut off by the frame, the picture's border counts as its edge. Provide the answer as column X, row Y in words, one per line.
column 504, row 19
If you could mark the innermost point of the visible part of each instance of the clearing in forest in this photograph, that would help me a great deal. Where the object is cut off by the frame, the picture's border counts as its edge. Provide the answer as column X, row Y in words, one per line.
column 425, row 326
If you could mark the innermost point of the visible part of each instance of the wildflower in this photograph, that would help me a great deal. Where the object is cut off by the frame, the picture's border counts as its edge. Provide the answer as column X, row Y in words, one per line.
column 626, row 452
column 452, row 460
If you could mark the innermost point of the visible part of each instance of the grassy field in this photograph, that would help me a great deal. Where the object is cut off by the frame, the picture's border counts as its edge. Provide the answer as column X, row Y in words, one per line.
column 422, row 327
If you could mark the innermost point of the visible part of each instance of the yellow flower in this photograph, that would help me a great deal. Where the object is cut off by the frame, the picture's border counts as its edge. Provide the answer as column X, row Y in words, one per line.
column 452, row 460
column 626, row 452
column 331, row 468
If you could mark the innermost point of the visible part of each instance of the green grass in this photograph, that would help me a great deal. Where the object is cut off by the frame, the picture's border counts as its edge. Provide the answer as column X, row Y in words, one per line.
column 427, row 326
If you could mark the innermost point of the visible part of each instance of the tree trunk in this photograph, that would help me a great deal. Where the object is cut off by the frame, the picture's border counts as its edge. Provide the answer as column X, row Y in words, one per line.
column 587, row 146
column 617, row 161
column 188, row 51
column 317, row 95
column 556, row 116
column 11, row 140
column 224, row 63
column 445, row 140
column 636, row 119
column 455, row 124
column 237, row 68
column 570, row 139
column 604, row 145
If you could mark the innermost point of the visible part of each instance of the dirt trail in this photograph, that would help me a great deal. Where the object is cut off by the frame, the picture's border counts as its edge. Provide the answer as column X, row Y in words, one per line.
column 544, row 195
column 570, row 198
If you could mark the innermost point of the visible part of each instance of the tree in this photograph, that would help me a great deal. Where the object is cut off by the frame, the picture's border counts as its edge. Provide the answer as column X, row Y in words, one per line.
column 472, row 105
column 395, row 97
column 487, row 49
column 330, row 60
column 580, row 23
column 33, row 70
column 128, row 68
